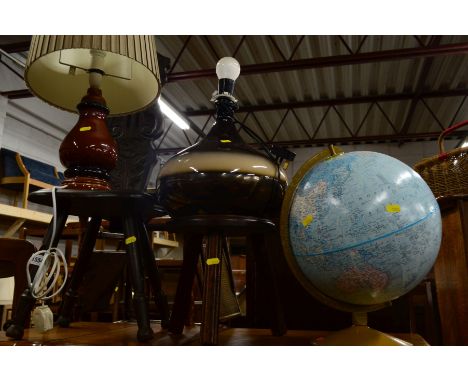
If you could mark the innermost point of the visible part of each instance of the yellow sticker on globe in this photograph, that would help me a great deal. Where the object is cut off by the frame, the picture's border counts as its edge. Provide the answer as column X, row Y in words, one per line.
column 212, row 261
column 393, row 208
column 307, row 220
column 225, row 141
column 85, row 128
column 130, row 240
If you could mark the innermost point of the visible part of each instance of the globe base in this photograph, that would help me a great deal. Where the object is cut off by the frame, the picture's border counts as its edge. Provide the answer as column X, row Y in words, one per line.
column 359, row 335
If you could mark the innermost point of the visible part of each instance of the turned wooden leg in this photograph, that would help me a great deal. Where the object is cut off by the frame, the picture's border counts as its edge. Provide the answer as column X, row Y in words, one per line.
column 266, row 247
column 211, row 289
column 81, row 265
column 183, row 298
column 153, row 274
column 140, row 303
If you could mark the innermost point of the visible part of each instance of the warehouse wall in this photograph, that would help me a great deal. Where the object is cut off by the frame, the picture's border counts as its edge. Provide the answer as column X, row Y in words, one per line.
column 31, row 134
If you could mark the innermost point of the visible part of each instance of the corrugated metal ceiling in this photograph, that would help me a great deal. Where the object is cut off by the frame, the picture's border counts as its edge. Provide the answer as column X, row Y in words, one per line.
column 306, row 124
column 395, row 98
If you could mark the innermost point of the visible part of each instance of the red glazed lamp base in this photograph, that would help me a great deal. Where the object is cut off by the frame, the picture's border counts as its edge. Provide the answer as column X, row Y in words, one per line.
column 88, row 151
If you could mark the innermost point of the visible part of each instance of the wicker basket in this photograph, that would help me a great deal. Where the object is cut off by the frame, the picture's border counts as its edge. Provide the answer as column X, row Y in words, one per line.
column 446, row 173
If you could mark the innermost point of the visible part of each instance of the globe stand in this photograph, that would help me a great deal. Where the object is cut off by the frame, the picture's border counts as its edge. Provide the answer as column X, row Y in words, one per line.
column 359, row 334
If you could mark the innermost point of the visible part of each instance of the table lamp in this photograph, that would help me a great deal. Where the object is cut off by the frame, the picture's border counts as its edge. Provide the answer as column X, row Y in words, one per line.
column 61, row 70
column 221, row 174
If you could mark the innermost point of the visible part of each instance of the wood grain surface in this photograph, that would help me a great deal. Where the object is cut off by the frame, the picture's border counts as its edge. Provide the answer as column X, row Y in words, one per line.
column 124, row 334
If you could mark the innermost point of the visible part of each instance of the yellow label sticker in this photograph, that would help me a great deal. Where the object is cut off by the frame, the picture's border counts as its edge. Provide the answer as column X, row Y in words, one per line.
column 307, row 220
column 86, row 128
column 130, row 240
column 212, row 261
column 225, row 141
column 392, row 208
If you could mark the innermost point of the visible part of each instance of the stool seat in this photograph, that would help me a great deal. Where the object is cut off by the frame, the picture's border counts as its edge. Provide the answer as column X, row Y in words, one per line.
column 230, row 224
column 133, row 209
column 104, row 204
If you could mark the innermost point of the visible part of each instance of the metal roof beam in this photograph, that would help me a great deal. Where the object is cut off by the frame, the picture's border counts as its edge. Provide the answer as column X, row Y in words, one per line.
column 337, row 101
column 340, row 60
column 371, row 139
column 16, row 94
column 16, row 45
column 426, row 68
column 350, row 140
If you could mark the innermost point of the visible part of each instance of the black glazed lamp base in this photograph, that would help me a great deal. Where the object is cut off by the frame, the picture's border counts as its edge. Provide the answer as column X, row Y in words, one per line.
column 222, row 175
column 221, row 193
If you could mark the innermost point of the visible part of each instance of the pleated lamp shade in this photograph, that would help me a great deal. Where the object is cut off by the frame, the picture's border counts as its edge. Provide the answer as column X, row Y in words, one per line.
column 56, row 70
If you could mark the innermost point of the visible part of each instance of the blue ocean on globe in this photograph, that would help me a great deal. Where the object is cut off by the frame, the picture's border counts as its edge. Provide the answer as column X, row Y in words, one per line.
column 364, row 227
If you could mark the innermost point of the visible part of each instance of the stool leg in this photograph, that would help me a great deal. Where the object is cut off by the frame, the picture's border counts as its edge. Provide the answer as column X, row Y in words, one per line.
column 15, row 327
column 81, row 265
column 183, row 298
column 265, row 248
column 140, row 304
column 211, row 290
column 127, row 308
column 153, row 273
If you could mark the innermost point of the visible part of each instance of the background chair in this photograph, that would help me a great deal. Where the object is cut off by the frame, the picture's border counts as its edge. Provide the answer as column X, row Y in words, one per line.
column 22, row 174
column 14, row 255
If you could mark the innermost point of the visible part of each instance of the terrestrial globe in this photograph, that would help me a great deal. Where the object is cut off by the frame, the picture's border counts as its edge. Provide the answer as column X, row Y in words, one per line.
column 359, row 230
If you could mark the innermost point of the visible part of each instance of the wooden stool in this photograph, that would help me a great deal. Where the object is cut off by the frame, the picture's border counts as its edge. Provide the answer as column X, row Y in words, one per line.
column 134, row 209
column 262, row 233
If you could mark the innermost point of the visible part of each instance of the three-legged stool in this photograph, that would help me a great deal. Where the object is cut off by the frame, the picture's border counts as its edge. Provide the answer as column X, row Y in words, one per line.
column 134, row 209
column 262, row 236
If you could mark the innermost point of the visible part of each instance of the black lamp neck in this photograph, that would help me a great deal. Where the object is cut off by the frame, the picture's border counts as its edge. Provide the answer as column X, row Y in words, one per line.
column 225, row 108
column 226, row 85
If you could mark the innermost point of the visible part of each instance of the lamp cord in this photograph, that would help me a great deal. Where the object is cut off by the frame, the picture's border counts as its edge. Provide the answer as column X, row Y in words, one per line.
column 255, row 136
column 49, row 262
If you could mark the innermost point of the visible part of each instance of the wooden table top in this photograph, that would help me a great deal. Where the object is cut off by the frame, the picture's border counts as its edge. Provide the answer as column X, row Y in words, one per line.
column 124, row 334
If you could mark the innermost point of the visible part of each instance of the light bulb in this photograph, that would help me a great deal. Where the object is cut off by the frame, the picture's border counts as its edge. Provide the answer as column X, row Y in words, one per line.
column 228, row 67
